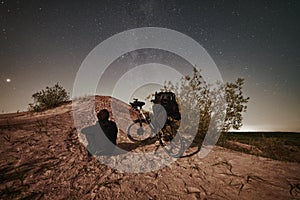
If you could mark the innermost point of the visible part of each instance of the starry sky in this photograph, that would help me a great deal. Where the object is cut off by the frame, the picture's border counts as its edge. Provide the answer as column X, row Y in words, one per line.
column 44, row 42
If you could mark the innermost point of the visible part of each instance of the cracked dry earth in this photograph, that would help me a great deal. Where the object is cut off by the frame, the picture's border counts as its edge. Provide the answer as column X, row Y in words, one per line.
column 43, row 157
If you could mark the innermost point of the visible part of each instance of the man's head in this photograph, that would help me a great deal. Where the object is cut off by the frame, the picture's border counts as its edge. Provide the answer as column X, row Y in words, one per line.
column 103, row 115
column 165, row 98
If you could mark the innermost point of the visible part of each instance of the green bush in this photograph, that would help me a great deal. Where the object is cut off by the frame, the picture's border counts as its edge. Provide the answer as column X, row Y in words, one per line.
column 220, row 107
column 49, row 98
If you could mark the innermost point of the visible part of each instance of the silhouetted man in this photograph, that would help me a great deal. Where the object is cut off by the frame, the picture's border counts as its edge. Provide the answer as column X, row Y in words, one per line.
column 102, row 137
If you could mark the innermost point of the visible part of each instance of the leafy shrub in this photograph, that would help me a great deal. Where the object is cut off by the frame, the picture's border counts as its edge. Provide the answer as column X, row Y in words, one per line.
column 220, row 108
column 49, row 98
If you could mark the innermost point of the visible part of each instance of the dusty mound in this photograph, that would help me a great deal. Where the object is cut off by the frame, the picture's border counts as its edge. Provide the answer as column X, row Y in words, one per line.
column 41, row 157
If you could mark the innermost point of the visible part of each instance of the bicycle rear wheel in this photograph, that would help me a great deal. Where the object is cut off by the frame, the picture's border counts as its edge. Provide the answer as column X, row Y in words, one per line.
column 174, row 147
column 139, row 131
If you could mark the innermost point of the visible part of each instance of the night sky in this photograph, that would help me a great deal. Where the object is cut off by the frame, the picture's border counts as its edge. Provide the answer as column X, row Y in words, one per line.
column 44, row 42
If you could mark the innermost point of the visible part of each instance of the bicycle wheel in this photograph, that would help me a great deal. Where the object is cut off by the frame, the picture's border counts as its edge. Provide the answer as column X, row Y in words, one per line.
column 139, row 131
column 173, row 146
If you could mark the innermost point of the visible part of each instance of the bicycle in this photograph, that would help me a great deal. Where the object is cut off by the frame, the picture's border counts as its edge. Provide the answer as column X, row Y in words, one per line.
column 144, row 129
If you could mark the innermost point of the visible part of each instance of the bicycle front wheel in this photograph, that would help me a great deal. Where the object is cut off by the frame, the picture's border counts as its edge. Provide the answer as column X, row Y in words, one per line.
column 139, row 131
column 172, row 146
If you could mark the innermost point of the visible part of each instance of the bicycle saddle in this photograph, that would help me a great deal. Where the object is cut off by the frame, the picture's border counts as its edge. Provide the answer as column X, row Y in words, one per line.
column 137, row 103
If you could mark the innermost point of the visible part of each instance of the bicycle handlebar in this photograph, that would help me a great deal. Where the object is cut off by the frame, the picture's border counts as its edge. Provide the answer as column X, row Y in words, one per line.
column 136, row 103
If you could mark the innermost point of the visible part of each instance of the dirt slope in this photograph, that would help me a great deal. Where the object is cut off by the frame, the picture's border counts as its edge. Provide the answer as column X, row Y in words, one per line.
column 41, row 157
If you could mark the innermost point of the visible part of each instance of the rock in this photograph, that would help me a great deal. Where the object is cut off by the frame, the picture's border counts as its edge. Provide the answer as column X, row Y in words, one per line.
column 193, row 190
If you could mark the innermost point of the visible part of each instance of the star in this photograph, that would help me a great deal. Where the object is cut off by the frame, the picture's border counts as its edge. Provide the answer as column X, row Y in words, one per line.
column 8, row 80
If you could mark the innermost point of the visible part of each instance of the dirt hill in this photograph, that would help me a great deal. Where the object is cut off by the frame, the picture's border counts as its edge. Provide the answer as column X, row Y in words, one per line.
column 42, row 158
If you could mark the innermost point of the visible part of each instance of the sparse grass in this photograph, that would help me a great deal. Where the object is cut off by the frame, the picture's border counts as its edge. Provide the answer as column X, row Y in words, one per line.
column 20, row 176
column 10, row 193
column 271, row 147
column 7, row 138
column 33, row 195
column 278, row 146
column 294, row 188
column 41, row 126
column 106, row 184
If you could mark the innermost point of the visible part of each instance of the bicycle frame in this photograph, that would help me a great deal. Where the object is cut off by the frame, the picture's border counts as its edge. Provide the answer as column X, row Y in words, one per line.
column 148, row 121
column 155, row 131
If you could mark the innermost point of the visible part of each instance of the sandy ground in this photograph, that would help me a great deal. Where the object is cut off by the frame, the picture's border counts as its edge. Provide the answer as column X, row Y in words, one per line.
column 42, row 158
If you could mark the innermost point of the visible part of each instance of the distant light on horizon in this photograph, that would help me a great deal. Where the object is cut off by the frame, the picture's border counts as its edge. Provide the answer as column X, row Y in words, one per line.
column 265, row 128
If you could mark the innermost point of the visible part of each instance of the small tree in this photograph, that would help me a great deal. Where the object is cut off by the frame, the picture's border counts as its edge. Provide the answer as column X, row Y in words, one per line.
column 49, row 98
column 196, row 95
column 236, row 105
